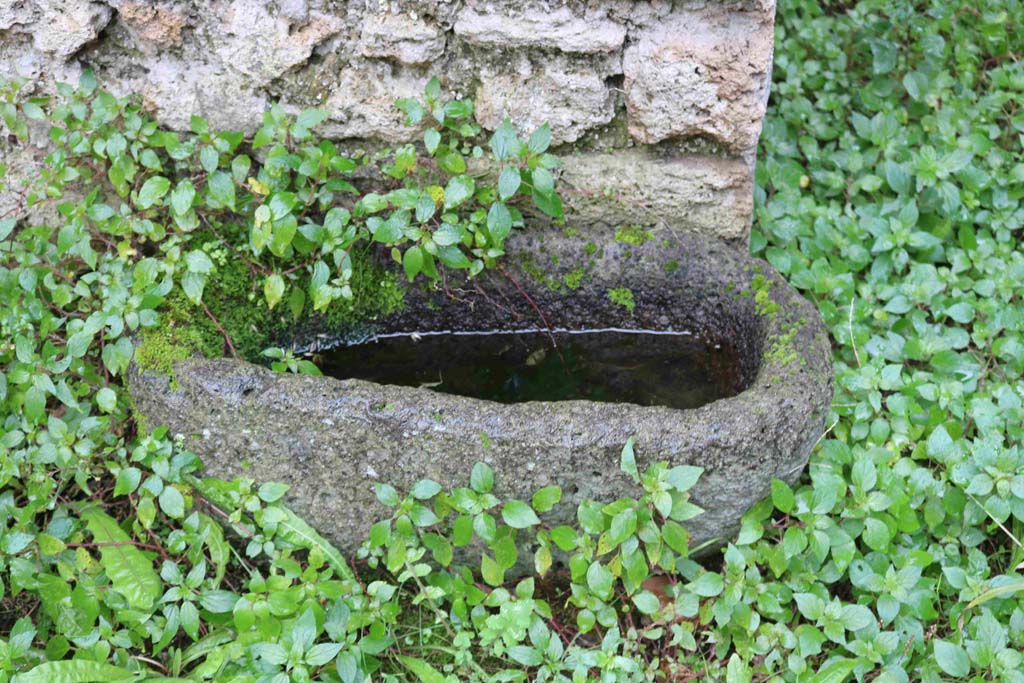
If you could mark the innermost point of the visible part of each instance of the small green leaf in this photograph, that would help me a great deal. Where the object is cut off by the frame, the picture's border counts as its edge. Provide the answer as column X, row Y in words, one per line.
column 646, row 602
column 676, row 537
column 106, row 399
column 836, row 672
column 282, row 233
column 459, row 189
column 389, row 231
column 309, row 118
column 271, row 491
column 221, row 189
column 425, row 208
column 75, row 671
column 273, row 289
column 152, row 191
column 431, row 139
column 197, row 261
column 952, row 658
column 322, row 653
column 412, row 262
column 499, row 222
column 130, row 572
column 481, row 479
column 540, row 139
column 425, row 489
column 526, row 656
column 504, row 142
column 599, row 580
column 782, row 496
column 508, row 182
column 172, row 502
column 546, row 498
column 627, row 461
column 33, row 111
column 549, row 202
column 209, row 158
column 386, row 494
column 707, row 585
column 182, row 196
column 491, row 572
column 683, row 477
column 519, row 515
column 452, row 162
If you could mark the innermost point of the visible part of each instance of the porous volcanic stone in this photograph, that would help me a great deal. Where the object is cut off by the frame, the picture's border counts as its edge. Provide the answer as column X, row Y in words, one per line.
column 331, row 439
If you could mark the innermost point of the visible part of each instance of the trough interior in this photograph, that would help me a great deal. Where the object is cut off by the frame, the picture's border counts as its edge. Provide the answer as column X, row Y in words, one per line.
column 716, row 321
column 642, row 367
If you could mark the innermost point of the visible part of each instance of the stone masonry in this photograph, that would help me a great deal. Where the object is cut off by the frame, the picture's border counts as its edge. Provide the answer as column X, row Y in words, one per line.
column 656, row 105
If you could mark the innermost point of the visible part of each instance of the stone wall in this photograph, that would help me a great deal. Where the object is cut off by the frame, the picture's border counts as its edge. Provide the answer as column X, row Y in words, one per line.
column 656, row 105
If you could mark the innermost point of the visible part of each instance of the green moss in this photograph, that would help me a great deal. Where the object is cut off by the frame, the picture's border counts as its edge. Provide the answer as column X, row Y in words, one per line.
column 590, row 249
column 574, row 279
column 538, row 275
column 571, row 232
column 622, row 296
column 633, row 234
column 781, row 349
column 671, row 267
column 160, row 348
column 233, row 297
column 762, row 291
column 376, row 292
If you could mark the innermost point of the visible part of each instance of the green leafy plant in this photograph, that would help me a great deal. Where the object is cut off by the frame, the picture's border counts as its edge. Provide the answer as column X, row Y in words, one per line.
column 889, row 191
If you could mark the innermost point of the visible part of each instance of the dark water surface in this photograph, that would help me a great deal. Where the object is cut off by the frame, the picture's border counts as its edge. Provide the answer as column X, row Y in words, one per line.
column 623, row 366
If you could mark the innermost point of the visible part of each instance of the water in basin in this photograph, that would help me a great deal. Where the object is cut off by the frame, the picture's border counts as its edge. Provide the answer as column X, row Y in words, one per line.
column 644, row 367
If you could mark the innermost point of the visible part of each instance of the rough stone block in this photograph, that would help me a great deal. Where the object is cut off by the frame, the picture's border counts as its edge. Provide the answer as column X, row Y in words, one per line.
column 176, row 89
column 571, row 98
column 504, row 25
column 60, row 27
column 700, row 74
column 155, row 27
column 262, row 46
column 698, row 194
column 408, row 39
column 362, row 102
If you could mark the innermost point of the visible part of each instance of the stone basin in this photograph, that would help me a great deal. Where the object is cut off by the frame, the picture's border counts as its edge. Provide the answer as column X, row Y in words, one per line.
column 330, row 439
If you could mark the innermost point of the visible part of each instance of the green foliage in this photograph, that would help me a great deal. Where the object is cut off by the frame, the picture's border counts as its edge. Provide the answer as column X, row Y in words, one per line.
column 889, row 192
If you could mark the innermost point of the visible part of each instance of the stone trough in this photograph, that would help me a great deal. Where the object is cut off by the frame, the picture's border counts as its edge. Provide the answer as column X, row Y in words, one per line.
column 330, row 439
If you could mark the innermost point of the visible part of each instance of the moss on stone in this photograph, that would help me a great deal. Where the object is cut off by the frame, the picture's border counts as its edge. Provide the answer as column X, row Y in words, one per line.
column 233, row 297
column 671, row 266
column 376, row 292
column 633, row 234
column 538, row 274
column 622, row 296
column 574, row 279
column 781, row 349
column 160, row 348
